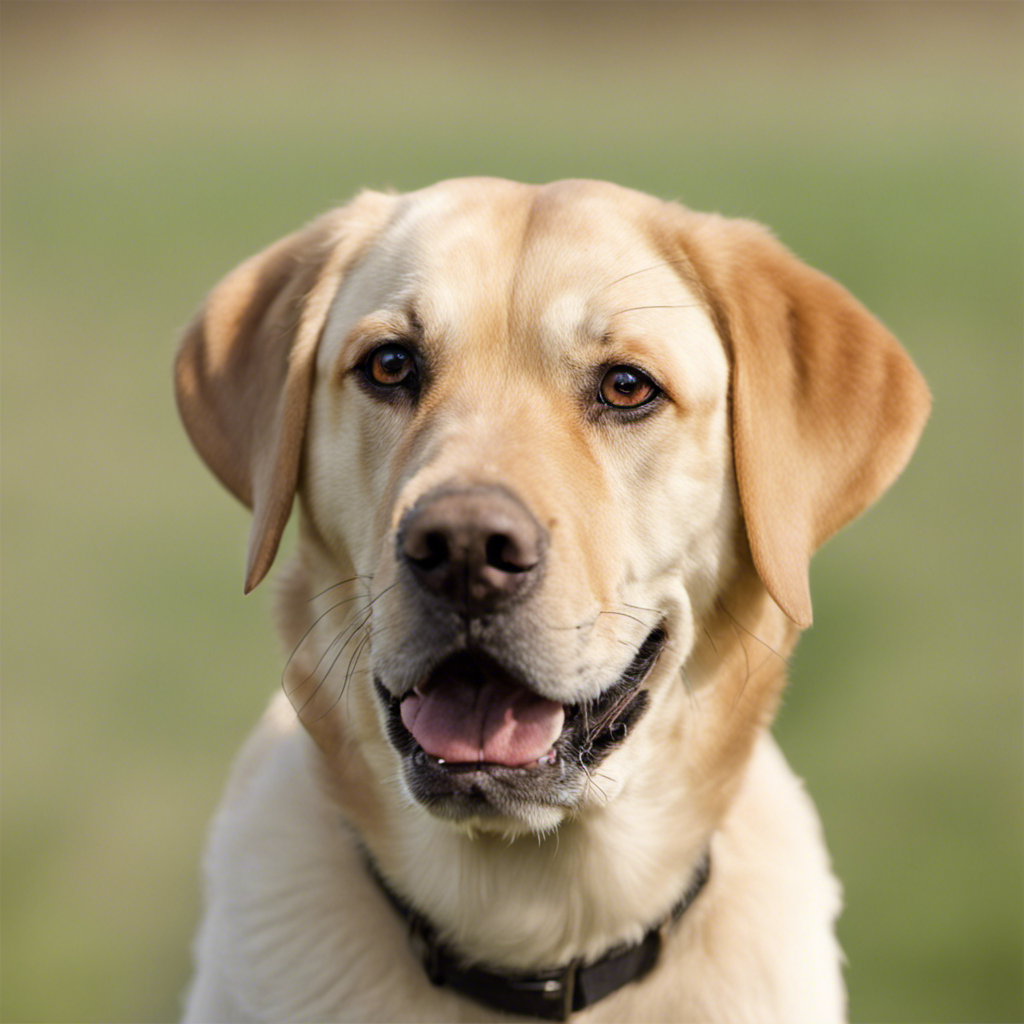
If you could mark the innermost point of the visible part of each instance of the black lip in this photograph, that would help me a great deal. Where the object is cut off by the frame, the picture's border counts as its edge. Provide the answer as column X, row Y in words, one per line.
column 604, row 722
column 592, row 730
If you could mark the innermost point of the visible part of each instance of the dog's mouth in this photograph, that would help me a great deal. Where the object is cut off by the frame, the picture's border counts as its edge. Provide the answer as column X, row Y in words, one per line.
column 473, row 717
column 470, row 710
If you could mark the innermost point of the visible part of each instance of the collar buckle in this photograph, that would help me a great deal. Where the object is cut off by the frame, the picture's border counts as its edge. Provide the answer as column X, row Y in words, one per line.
column 551, row 994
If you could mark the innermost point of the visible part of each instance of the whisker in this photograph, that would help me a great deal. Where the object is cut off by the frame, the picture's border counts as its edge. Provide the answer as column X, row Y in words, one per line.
column 590, row 780
column 710, row 640
column 350, row 630
column 351, row 579
column 347, row 633
column 694, row 703
column 316, row 622
column 330, row 668
column 643, row 608
column 633, row 309
column 345, row 628
column 364, row 640
column 625, row 615
column 746, row 658
column 609, row 715
column 390, row 586
column 360, row 647
column 754, row 636
column 645, row 270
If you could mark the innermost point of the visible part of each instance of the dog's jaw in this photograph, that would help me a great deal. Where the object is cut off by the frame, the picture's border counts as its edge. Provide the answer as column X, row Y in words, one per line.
column 494, row 792
column 599, row 877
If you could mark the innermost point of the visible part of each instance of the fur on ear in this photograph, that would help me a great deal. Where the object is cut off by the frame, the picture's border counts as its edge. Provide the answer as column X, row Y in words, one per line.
column 827, row 407
column 244, row 369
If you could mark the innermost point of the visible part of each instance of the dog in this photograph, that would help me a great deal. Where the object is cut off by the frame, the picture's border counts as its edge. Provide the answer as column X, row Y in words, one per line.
column 562, row 455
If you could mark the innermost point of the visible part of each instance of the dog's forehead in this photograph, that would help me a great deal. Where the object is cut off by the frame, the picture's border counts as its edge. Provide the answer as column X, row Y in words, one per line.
column 537, row 266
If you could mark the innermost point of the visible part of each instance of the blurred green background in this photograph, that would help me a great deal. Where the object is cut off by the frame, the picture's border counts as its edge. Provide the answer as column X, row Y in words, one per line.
column 147, row 147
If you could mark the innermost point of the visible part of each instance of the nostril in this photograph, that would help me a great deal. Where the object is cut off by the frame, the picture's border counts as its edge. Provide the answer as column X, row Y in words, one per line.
column 428, row 550
column 504, row 553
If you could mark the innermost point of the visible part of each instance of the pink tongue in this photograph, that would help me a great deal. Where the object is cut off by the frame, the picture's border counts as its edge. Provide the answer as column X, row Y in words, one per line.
column 495, row 721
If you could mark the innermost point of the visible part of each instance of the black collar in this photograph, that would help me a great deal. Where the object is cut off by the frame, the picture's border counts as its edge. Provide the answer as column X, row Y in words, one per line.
column 548, row 995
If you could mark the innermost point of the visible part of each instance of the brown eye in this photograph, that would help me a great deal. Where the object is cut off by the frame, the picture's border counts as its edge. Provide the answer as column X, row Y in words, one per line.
column 626, row 387
column 391, row 366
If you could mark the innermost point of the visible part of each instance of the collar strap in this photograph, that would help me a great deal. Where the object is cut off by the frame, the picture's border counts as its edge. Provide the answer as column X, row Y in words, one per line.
column 548, row 995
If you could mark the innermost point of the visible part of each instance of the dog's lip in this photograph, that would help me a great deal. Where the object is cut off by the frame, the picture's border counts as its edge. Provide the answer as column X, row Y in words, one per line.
column 589, row 724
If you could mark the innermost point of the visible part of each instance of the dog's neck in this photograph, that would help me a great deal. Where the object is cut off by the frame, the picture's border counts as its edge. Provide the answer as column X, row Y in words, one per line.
column 598, row 880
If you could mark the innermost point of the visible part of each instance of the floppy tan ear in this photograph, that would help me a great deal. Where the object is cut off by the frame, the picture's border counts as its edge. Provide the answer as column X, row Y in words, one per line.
column 826, row 405
column 244, row 369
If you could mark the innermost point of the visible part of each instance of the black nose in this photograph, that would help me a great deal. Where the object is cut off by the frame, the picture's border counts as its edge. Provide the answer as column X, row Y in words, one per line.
column 473, row 547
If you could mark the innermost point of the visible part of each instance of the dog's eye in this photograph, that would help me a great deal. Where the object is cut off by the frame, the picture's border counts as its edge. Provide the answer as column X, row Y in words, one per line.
column 626, row 387
column 391, row 366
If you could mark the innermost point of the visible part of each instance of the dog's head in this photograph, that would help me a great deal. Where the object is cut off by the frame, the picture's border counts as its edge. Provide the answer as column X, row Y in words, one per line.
column 558, row 450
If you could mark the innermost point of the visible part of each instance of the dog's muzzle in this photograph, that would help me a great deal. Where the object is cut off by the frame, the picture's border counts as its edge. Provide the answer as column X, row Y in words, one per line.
column 475, row 736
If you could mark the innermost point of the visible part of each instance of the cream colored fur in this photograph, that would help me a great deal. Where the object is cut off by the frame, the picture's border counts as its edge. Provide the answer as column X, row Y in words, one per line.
column 300, row 933
column 786, row 410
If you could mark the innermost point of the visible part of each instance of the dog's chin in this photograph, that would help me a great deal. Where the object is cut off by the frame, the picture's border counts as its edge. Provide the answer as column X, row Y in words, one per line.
column 524, row 764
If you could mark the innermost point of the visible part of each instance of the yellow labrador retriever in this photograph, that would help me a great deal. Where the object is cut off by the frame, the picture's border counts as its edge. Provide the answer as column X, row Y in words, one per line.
column 562, row 455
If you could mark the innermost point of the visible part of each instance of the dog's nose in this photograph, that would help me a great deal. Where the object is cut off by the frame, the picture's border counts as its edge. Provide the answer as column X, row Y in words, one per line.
column 473, row 547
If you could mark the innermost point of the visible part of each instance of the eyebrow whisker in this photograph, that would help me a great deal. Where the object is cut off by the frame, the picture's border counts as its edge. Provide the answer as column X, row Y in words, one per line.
column 684, row 305
column 645, row 270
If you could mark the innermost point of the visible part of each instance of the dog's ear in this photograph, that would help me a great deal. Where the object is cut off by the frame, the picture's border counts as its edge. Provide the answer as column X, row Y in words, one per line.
column 826, row 406
column 244, row 371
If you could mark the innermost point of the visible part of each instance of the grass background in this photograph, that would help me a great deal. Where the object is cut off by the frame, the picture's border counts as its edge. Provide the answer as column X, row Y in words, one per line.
column 147, row 147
